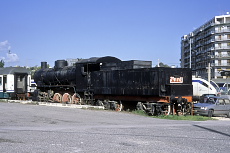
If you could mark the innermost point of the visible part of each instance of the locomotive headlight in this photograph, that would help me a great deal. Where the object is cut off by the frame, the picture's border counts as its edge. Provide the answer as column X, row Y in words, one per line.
column 205, row 108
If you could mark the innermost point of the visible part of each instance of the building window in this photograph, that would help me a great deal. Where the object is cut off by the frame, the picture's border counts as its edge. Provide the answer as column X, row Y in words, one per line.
column 219, row 37
column 219, row 45
column 219, row 53
column 220, row 20
column 228, row 36
column 219, row 29
column 228, row 62
column 228, row 27
column 219, row 62
column 228, row 53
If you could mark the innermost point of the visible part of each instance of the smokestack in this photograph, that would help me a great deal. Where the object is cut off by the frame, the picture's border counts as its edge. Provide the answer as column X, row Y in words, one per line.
column 43, row 65
column 60, row 64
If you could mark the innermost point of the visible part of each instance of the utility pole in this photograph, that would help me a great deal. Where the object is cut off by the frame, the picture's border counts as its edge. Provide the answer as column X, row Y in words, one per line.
column 209, row 76
column 190, row 52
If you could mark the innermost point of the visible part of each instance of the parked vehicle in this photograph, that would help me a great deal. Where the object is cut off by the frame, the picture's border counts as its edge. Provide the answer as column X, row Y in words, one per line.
column 213, row 106
column 204, row 97
column 14, row 83
column 202, row 87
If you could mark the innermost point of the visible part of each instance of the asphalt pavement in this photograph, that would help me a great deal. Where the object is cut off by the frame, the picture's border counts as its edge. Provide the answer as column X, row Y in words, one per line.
column 28, row 128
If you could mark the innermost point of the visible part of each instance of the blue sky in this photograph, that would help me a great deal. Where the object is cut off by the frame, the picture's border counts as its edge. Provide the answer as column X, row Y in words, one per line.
column 49, row 30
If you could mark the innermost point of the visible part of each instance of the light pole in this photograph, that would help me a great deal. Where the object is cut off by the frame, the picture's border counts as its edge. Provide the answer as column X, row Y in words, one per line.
column 190, row 52
column 209, row 75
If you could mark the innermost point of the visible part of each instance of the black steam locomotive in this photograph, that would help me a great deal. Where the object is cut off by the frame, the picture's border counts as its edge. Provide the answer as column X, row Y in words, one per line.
column 116, row 84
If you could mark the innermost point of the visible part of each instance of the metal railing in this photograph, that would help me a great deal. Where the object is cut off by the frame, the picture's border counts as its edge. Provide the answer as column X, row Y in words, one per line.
column 222, row 47
column 223, row 30
column 220, row 64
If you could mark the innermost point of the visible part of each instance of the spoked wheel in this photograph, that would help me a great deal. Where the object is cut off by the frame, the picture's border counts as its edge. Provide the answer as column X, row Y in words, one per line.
column 66, row 98
column 75, row 99
column 139, row 106
column 187, row 108
column 57, row 97
column 99, row 103
column 119, row 107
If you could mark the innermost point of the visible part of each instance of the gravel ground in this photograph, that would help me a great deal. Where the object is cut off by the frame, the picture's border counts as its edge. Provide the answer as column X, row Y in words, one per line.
column 36, row 128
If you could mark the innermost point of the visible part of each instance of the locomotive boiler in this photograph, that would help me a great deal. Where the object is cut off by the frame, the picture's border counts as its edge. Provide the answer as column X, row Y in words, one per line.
column 116, row 84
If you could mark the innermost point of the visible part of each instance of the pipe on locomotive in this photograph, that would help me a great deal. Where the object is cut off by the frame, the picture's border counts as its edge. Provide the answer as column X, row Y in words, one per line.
column 43, row 65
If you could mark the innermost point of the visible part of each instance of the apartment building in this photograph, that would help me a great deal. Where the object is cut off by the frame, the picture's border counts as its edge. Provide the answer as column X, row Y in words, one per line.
column 208, row 46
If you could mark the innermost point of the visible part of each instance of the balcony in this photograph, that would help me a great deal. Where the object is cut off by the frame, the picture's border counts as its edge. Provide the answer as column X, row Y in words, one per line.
column 221, row 64
column 222, row 39
column 222, row 47
column 222, row 56
column 223, row 30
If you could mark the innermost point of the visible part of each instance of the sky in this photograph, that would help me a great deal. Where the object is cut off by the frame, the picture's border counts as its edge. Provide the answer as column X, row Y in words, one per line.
column 33, row 31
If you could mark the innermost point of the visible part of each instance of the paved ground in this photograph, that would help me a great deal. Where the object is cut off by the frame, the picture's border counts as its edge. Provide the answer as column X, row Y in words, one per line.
column 35, row 128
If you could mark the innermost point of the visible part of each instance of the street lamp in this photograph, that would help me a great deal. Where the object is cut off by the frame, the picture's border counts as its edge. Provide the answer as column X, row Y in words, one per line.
column 209, row 75
column 190, row 52
column 190, row 49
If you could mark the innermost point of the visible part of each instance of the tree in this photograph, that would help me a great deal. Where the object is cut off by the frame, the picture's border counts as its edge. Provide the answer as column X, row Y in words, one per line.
column 2, row 63
column 162, row 65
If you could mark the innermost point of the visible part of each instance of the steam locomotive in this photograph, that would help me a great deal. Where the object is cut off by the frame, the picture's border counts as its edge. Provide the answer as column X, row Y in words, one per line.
column 116, row 84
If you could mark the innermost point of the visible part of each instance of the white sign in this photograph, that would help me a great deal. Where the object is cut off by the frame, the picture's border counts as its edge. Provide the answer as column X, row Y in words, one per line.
column 176, row 80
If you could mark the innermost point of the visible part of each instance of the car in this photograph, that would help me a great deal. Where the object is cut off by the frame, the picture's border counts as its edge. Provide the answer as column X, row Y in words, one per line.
column 204, row 97
column 213, row 106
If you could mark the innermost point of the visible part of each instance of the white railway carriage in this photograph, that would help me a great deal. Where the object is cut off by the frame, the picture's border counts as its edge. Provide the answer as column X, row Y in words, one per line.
column 203, row 87
column 15, row 82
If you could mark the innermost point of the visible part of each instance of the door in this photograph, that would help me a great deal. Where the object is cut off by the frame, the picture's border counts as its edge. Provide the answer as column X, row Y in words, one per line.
column 20, row 83
column 220, row 108
column 4, row 83
column 1, row 86
column 1, row 83
column 227, row 105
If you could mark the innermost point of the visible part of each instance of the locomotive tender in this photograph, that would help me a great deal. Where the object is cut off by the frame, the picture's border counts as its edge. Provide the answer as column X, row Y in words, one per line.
column 116, row 84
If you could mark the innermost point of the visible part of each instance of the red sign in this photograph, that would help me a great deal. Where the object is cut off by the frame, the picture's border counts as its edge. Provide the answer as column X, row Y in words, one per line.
column 176, row 80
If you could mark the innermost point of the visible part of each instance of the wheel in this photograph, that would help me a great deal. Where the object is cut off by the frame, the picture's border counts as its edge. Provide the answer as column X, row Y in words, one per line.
column 66, row 98
column 50, row 94
column 119, row 107
column 152, row 111
column 210, row 113
column 140, row 106
column 106, row 105
column 228, row 115
column 57, row 97
column 99, row 103
column 113, row 105
column 76, row 99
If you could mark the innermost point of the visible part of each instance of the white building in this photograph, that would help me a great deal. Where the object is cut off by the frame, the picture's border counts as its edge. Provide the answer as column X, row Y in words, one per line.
column 210, row 43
